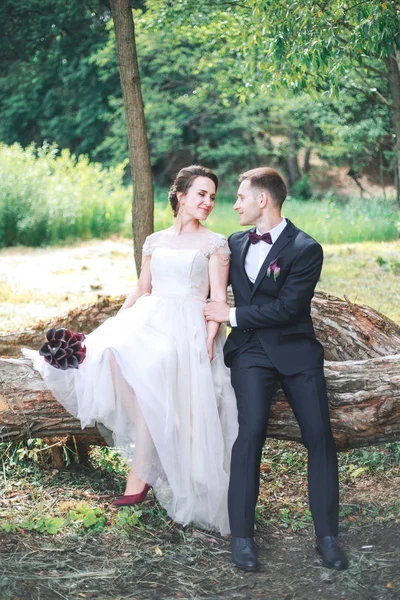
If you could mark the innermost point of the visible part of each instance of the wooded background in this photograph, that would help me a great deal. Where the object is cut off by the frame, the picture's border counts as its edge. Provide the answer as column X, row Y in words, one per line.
column 225, row 82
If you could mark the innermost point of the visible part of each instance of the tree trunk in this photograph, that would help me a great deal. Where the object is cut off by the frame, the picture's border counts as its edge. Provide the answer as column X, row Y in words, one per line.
column 393, row 67
column 307, row 155
column 347, row 331
column 292, row 161
column 306, row 162
column 143, row 201
column 364, row 401
column 352, row 332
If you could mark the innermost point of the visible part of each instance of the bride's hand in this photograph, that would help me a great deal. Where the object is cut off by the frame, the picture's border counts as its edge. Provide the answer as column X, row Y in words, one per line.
column 210, row 344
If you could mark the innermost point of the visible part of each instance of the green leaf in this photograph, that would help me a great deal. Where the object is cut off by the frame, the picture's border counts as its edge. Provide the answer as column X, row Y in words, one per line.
column 358, row 472
column 90, row 519
column 54, row 524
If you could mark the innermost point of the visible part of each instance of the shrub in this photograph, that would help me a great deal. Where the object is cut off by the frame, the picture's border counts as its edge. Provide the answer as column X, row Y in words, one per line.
column 47, row 196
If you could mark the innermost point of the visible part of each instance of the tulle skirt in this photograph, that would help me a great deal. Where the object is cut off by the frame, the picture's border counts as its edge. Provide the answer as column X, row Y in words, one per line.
column 147, row 377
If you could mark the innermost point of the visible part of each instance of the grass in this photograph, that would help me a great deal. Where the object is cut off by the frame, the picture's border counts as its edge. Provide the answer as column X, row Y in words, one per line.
column 85, row 506
column 49, row 196
column 60, row 537
column 328, row 221
column 366, row 273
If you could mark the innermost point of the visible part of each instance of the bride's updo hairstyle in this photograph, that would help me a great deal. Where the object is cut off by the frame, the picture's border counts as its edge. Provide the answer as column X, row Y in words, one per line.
column 184, row 180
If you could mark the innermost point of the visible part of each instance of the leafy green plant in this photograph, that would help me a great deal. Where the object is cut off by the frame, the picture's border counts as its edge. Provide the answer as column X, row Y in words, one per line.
column 391, row 266
column 109, row 460
column 48, row 196
column 50, row 525
column 302, row 189
column 380, row 458
column 128, row 518
column 83, row 516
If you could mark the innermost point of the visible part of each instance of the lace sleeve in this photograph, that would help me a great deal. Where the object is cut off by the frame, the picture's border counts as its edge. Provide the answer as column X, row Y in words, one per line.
column 219, row 245
column 148, row 247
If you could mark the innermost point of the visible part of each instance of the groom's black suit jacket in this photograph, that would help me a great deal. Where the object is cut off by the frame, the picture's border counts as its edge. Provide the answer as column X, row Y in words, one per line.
column 277, row 310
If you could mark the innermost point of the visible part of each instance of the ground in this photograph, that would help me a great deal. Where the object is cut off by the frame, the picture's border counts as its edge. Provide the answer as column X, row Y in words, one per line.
column 39, row 283
column 196, row 565
column 139, row 553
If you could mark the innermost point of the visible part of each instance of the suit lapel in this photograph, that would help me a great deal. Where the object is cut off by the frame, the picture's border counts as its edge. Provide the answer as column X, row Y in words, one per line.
column 244, row 246
column 280, row 243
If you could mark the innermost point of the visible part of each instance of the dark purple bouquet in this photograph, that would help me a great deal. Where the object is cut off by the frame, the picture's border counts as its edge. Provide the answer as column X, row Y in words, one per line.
column 63, row 349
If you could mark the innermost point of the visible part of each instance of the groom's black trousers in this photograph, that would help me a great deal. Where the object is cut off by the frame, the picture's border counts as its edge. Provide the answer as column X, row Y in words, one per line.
column 254, row 380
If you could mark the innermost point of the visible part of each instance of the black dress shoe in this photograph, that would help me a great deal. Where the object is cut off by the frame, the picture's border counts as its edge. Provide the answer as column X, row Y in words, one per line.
column 244, row 553
column 333, row 556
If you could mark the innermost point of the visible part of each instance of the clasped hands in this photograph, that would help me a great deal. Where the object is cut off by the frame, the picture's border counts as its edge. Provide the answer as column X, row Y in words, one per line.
column 217, row 310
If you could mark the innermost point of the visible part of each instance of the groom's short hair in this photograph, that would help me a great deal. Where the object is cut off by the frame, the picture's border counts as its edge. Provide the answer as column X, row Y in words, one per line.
column 269, row 180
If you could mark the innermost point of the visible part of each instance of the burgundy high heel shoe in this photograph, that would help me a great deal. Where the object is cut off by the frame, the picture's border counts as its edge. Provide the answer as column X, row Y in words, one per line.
column 130, row 500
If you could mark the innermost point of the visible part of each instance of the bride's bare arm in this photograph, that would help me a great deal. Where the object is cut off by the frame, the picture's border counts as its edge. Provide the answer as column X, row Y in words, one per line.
column 143, row 285
column 218, row 273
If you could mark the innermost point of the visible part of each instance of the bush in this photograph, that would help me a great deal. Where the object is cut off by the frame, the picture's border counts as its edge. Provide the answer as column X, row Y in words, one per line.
column 47, row 196
column 302, row 189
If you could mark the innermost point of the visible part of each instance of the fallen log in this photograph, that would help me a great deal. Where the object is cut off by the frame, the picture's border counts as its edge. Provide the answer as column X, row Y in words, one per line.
column 353, row 332
column 364, row 401
column 347, row 331
column 83, row 319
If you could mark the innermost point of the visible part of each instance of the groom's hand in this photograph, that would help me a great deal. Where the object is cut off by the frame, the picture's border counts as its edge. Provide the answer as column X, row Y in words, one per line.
column 217, row 310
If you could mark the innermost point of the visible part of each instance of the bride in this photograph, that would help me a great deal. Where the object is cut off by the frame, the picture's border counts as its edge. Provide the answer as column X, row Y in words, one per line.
column 154, row 374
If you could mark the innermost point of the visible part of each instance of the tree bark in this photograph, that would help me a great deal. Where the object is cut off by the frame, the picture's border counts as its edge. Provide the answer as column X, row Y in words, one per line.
column 306, row 162
column 292, row 160
column 143, row 200
column 364, row 401
column 347, row 331
column 393, row 68
column 352, row 332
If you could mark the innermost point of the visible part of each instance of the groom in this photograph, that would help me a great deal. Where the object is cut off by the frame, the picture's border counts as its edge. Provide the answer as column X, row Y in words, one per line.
column 274, row 270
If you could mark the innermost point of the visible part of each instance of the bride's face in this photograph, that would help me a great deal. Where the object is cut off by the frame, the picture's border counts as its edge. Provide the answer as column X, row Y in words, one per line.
column 199, row 200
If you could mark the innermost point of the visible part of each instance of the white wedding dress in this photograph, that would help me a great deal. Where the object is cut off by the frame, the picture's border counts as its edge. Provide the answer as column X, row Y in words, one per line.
column 148, row 378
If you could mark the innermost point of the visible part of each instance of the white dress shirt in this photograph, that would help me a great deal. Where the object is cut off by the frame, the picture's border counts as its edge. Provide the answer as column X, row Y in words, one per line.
column 255, row 257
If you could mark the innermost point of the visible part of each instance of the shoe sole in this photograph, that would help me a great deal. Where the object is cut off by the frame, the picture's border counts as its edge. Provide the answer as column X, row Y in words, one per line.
column 249, row 569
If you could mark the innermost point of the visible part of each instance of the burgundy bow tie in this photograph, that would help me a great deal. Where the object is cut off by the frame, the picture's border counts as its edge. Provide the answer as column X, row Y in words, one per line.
column 255, row 238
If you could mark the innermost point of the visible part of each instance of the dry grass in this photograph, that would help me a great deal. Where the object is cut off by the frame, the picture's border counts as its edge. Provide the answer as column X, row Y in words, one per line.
column 367, row 273
column 157, row 559
column 39, row 283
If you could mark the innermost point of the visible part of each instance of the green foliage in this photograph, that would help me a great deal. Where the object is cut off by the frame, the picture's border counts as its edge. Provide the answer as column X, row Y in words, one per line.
column 378, row 459
column 301, row 189
column 46, row 197
column 128, row 518
column 317, row 45
column 218, row 78
column 27, row 458
column 47, row 525
column 108, row 460
column 312, row 73
column 49, row 86
column 85, row 517
column 391, row 266
column 192, row 115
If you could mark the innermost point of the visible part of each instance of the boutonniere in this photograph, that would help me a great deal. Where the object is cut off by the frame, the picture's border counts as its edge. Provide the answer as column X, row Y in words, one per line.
column 274, row 269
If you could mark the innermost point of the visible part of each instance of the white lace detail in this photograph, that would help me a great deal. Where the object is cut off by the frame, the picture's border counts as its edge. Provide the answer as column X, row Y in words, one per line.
column 218, row 241
column 147, row 249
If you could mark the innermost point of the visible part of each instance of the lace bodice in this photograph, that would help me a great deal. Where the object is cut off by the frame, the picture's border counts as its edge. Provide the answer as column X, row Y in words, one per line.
column 179, row 263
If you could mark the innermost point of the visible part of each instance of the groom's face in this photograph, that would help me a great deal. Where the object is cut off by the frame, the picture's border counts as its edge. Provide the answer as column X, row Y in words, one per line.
column 247, row 204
